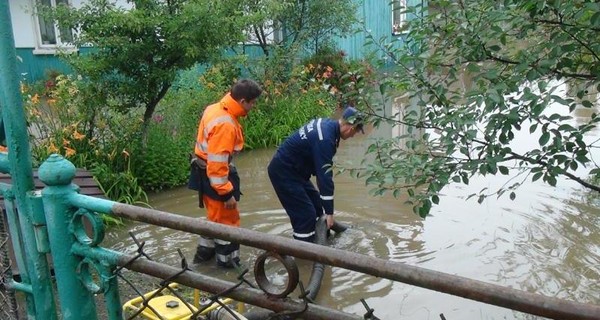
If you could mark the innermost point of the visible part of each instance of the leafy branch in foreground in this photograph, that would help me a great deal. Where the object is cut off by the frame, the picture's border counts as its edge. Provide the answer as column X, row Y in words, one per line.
column 480, row 78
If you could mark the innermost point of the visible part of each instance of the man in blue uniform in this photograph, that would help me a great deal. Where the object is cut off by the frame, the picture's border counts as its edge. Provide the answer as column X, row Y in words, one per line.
column 307, row 152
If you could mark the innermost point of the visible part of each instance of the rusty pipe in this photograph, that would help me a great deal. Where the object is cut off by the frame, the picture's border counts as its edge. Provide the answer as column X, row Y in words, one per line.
column 438, row 281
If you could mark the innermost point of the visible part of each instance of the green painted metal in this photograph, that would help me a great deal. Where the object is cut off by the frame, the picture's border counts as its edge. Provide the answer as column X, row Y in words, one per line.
column 39, row 221
column 76, row 301
column 112, row 299
column 20, row 287
column 91, row 203
column 12, row 219
column 4, row 162
column 37, row 271
column 13, row 225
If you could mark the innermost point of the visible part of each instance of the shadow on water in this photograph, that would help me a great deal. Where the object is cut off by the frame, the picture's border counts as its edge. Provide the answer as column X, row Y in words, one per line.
column 547, row 240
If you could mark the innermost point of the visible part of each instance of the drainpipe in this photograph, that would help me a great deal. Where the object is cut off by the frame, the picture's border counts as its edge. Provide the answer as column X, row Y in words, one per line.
column 36, row 272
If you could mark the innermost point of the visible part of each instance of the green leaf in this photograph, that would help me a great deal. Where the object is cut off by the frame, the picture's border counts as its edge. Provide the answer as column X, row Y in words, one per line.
column 544, row 138
column 537, row 176
column 551, row 180
column 512, row 196
column 435, row 199
column 573, row 165
column 533, row 128
column 494, row 48
column 473, row 67
column 503, row 170
column 480, row 199
column 595, row 19
column 465, row 179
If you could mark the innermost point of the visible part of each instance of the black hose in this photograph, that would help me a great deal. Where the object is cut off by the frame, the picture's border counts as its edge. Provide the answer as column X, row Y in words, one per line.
column 316, row 276
column 339, row 227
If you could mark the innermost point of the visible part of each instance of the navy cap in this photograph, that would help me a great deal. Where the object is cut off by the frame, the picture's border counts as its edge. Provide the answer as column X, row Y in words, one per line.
column 354, row 117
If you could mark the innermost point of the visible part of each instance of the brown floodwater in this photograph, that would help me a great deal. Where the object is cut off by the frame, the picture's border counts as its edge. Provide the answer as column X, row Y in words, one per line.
column 546, row 241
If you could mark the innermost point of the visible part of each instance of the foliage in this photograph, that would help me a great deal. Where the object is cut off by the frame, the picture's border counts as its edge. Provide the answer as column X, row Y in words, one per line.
column 57, row 125
column 283, row 112
column 138, row 51
column 479, row 73
column 342, row 78
column 306, row 94
column 308, row 24
column 119, row 186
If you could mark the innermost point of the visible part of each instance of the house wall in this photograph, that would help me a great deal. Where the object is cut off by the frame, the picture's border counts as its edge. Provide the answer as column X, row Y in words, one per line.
column 34, row 65
column 375, row 16
column 23, row 23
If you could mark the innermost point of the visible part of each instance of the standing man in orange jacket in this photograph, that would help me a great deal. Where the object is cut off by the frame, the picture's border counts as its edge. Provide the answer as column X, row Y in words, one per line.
column 220, row 136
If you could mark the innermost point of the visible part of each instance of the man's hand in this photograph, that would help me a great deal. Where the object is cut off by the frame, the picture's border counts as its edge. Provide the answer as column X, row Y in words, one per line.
column 330, row 220
column 231, row 203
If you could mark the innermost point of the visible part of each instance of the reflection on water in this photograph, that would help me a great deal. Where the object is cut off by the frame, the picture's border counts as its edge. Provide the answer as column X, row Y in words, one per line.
column 547, row 240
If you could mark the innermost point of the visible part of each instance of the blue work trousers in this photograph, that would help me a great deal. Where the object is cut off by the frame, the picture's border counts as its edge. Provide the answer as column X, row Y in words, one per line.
column 299, row 198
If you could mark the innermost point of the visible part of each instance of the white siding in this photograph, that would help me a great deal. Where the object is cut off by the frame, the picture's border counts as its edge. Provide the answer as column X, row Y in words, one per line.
column 22, row 23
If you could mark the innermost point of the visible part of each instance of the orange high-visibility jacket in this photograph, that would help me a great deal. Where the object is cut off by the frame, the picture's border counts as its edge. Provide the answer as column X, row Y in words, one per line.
column 220, row 135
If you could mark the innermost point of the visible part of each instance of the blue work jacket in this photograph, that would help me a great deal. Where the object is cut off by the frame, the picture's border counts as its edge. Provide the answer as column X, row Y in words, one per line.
column 309, row 151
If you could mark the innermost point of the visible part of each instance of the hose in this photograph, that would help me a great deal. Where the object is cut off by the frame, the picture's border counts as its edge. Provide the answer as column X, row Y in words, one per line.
column 339, row 227
column 314, row 284
column 224, row 314
column 316, row 276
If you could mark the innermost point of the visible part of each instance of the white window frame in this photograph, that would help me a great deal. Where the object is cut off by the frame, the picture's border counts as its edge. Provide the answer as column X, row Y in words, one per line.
column 398, row 16
column 50, row 48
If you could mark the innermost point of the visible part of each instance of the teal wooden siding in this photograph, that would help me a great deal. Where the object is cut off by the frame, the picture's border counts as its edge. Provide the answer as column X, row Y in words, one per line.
column 36, row 67
column 376, row 20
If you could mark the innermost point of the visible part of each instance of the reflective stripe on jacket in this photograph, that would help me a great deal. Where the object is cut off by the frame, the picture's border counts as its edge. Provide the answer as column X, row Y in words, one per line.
column 309, row 151
column 219, row 137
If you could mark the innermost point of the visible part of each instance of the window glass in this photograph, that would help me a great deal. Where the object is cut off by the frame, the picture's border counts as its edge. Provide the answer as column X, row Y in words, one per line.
column 47, row 31
column 50, row 34
column 398, row 16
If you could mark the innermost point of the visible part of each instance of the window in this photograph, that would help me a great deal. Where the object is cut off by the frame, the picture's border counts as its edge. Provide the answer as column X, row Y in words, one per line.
column 50, row 35
column 398, row 16
column 269, row 33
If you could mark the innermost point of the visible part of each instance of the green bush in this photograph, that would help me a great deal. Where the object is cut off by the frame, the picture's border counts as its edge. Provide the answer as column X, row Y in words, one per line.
column 164, row 163
column 275, row 118
column 119, row 186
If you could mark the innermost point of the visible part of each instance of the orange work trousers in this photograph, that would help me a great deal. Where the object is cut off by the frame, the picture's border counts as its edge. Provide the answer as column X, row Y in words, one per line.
column 216, row 212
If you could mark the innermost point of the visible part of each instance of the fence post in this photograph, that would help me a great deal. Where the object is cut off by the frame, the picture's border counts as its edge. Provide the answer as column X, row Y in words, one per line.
column 37, row 273
column 76, row 301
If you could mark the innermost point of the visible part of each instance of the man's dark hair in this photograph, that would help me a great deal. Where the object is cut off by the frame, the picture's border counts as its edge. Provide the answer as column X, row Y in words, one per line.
column 245, row 89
